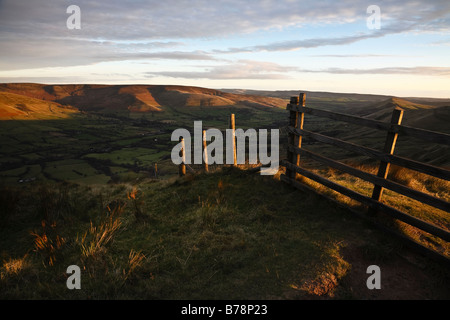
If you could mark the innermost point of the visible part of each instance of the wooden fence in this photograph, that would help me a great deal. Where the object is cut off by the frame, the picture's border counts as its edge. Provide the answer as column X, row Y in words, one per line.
column 297, row 110
column 182, row 167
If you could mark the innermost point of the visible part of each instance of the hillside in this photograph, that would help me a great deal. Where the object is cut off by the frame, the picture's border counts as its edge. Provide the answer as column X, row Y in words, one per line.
column 117, row 98
column 16, row 106
column 229, row 234
column 382, row 110
column 311, row 95
column 420, row 115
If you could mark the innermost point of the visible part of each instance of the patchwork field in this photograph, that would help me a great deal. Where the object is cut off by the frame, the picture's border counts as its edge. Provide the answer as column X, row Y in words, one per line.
column 98, row 145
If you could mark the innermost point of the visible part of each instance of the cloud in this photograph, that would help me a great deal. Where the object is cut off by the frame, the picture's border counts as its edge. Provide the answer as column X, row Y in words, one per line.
column 28, row 52
column 143, row 19
column 44, row 79
column 420, row 70
column 257, row 70
column 326, row 41
column 188, row 19
column 33, row 34
column 398, row 18
column 243, row 69
column 353, row 55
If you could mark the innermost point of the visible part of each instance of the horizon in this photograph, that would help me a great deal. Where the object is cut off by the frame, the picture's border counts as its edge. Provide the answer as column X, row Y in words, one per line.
column 231, row 88
column 392, row 48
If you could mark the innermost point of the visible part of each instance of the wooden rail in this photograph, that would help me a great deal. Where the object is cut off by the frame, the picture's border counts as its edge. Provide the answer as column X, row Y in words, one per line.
column 297, row 109
column 432, row 136
column 375, row 154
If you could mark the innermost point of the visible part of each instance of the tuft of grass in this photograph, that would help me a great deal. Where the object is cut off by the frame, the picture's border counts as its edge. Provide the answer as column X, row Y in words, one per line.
column 135, row 260
column 13, row 267
column 94, row 241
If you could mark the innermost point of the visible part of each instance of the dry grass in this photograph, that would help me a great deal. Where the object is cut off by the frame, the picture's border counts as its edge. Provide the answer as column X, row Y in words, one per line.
column 436, row 187
column 14, row 267
column 135, row 260
column 94, row 241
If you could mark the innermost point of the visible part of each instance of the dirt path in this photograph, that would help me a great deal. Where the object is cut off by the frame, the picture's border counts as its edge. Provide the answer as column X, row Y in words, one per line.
column 404, row 276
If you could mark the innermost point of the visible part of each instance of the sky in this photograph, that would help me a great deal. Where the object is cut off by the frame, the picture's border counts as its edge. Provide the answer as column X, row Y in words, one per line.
column 390, row 47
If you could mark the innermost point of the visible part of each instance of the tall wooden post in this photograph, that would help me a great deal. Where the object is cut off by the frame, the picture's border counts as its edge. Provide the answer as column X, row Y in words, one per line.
column 233, row 137
column 389, row 147
column 205, row 152
column 296, row 119
column 182, row 168
column 293, row 116
column 299, row 125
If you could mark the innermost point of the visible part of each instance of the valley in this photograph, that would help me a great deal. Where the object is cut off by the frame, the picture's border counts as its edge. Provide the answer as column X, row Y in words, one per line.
column 100, row 134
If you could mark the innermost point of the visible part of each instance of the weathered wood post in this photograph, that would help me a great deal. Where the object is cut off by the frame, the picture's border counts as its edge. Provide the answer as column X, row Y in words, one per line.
column 291, row 136
column 299, row 126
column 296, row 119
column 389, row 147
column 182, row 168
column 205, row 152
column 233, row 137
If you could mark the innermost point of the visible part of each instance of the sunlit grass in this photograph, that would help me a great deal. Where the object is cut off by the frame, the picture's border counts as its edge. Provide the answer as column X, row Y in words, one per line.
column 14, row 267
column 436, row 187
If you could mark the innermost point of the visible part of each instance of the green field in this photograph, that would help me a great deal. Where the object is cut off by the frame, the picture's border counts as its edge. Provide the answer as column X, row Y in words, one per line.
column 85, row 147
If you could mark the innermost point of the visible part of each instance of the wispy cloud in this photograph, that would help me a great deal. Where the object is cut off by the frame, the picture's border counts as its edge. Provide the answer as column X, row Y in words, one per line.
column 28, row 52
column 290, row 45
column 368, row 55
column 423, row 71
column 244, row 69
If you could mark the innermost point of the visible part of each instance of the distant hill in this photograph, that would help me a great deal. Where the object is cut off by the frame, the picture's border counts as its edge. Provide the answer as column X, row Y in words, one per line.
column 382, row 110
column 41, row 101
column 416, row 114
column 16, row 106
column 311, row 95
column 30, row 100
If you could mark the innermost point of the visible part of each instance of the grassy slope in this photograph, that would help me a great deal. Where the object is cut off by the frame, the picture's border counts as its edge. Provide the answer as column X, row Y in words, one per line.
column 15, row 106
column 223, row 235
column 124, row 99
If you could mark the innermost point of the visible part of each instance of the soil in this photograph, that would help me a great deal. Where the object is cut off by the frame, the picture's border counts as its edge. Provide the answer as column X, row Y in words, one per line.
column 404, row 276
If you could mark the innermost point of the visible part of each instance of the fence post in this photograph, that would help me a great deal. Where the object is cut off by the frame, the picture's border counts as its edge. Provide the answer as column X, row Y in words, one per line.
column 233, row 137
column 205, row 152
column 296, row 119
column 389, row 147
column 293, row 116
column 156, row 170
column 299, row 125
column 182, row 169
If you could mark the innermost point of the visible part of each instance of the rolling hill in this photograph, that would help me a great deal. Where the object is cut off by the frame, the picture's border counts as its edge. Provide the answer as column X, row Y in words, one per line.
column 418, row 115
column 16, row 106
column 17, row 99
column 41, row 101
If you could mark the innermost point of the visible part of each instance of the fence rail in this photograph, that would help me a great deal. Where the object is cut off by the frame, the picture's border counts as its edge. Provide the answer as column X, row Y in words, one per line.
column 297, row 111
column 432, row 136
column 437, row 172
